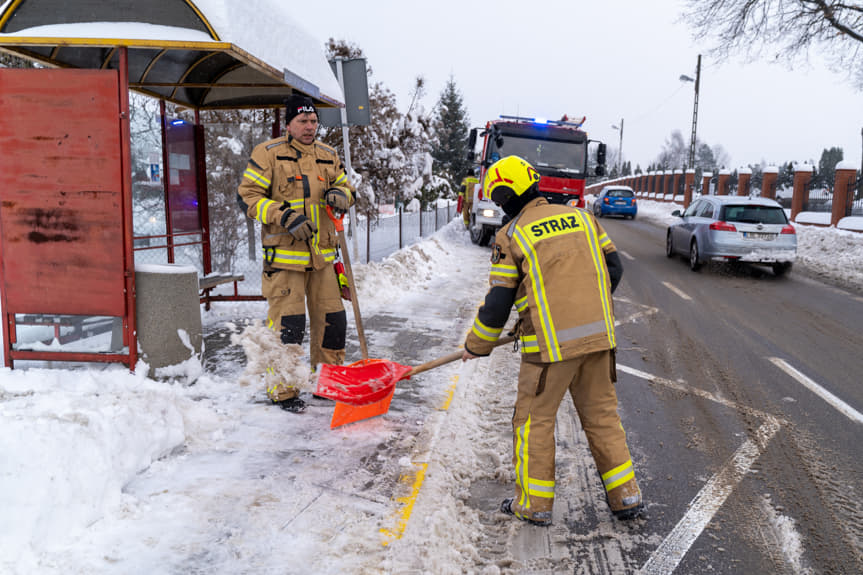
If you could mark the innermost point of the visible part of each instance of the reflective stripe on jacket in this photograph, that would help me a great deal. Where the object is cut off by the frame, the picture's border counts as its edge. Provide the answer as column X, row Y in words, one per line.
column 286, row 174
column 549, row 262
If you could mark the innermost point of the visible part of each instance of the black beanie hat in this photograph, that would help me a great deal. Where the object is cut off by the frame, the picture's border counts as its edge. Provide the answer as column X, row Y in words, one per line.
column 297, row 104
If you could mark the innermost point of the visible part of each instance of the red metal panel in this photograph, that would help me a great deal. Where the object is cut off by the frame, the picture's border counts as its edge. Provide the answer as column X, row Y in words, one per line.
column 61, row 194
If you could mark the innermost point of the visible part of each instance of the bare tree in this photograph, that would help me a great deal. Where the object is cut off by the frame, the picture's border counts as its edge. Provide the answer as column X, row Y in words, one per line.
column 789, row 27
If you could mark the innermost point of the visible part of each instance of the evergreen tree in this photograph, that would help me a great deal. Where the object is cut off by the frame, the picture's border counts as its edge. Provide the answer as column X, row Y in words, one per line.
column 827, row 166
column 451, row 126
column 704, row 158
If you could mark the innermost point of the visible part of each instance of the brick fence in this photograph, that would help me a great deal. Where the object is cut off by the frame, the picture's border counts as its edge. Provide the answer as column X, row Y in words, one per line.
column 679, row 186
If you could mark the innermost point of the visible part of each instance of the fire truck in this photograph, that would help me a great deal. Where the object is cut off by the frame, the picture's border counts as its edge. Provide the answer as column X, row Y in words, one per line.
column 558, row 151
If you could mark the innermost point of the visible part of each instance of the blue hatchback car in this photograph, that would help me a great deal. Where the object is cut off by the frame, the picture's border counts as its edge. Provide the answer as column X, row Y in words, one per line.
column 615, row 201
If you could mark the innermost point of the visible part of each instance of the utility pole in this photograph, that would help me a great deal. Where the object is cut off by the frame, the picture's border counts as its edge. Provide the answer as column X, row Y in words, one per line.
column 620, row 151
column 620, row 148
column 695, row 115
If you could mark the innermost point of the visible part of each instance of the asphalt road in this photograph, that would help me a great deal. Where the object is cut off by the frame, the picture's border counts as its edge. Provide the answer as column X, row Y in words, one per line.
column 741, row 396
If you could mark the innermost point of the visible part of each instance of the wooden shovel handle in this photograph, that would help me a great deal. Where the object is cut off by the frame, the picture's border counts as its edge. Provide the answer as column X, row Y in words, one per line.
column 452, row 357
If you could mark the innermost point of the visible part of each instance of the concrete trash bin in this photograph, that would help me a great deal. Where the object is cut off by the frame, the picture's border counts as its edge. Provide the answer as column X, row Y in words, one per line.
column 167, row 304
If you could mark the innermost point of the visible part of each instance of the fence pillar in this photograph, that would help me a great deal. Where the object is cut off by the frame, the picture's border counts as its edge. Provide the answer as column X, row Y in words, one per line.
column 843, row 191
column 768, row 183
column 657, row 185
column 722, row 183
column 688, row 185
column 675, row 186
column 744, row 176
column 800, row 197
column 667, row 184
column 705, row 183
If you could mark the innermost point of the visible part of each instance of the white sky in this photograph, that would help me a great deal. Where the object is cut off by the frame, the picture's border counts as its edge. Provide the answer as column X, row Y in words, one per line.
column 610, row 60
column 106, row 472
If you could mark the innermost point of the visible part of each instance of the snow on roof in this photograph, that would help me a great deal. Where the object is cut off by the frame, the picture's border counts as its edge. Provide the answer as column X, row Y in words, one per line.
column 264, row 29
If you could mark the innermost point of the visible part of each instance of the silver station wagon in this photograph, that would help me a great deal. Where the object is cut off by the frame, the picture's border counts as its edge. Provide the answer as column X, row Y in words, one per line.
column 733, row 229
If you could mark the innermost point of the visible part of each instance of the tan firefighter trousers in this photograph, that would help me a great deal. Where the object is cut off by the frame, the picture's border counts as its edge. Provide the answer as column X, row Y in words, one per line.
column 288, row 293
column 541, row 387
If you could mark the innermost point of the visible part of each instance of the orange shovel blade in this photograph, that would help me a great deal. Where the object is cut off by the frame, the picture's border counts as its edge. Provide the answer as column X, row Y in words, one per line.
column 345, row 413
column 361, row 390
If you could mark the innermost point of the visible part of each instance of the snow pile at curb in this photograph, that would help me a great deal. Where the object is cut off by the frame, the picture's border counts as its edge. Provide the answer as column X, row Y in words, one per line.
column 60, row 434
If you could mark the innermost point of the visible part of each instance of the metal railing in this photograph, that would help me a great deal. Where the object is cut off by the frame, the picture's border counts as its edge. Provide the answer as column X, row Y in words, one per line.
column 368, row 241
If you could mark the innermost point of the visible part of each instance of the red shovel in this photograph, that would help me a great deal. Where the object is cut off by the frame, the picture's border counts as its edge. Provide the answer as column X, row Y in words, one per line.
column 365, row 388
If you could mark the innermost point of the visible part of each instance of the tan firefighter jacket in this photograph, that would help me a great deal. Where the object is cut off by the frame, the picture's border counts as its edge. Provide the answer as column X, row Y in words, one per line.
column 286, row 174
column 549, row 262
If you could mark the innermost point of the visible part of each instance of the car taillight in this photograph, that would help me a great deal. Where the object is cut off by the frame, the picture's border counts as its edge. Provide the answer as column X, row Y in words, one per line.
column 723, row 227
column 633, row 201
column 789, row 229
column 605, row 200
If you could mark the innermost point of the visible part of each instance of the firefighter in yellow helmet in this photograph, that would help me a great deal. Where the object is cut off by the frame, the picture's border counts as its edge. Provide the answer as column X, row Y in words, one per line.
column 288, row 184
column 466, row 193
column 558, row 267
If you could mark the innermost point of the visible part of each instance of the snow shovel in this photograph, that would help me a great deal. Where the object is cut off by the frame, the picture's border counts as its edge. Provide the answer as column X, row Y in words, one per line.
column 343, row 246
column 365, row 388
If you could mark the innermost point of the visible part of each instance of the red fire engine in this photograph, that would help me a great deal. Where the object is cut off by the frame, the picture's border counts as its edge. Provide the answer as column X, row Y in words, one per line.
column 558, row 151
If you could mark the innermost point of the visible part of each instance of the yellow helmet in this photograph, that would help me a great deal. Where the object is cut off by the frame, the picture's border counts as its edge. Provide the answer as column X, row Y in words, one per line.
column 508, row 178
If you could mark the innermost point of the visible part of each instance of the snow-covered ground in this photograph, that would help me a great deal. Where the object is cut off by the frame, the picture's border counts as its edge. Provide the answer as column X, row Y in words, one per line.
column 103, row 471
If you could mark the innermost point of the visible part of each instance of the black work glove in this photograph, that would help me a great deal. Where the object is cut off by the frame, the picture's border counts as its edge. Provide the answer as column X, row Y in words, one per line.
column 298, row 225
column 338, row 200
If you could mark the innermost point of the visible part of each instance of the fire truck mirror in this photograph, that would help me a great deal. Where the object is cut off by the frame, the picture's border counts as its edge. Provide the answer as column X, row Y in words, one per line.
column 600, row 170
column 600, row 155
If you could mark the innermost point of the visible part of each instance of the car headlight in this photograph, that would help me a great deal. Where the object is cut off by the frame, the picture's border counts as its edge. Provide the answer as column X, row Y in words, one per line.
column 488, row 213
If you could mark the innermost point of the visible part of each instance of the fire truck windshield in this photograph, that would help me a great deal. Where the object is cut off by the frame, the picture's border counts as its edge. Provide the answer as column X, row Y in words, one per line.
column 549, row 157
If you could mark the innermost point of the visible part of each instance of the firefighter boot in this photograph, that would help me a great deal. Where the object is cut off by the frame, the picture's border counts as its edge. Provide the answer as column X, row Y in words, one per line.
column 286, row 397
column 625, row 500
column 540, row 518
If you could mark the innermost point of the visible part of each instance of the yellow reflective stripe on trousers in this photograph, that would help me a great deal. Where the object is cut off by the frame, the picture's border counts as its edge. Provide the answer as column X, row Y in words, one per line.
column 259, row 179
column 541, row 488
column 288, row 257
column 522, row 434
column 504, row 271
column 598, row 262
column 521, row 304
column 535, row 273
column 482, row 331
column 263, row 206
column 618, row 476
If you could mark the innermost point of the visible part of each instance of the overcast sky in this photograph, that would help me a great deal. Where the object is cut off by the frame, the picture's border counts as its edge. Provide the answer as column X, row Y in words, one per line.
column 611, row 60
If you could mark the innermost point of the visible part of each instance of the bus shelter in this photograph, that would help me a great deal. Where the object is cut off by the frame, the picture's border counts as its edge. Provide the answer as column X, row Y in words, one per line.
column 67, row 245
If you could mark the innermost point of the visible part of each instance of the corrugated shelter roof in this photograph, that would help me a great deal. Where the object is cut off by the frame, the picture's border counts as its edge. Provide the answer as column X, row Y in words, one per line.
column 203, row 54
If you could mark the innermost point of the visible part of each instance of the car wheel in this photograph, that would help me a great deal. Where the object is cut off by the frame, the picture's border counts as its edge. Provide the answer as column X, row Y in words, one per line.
column 485, row 236
column 669, row 245
column 475, row 232
column 781, row 268
column 597, row 211
column 694, row 264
